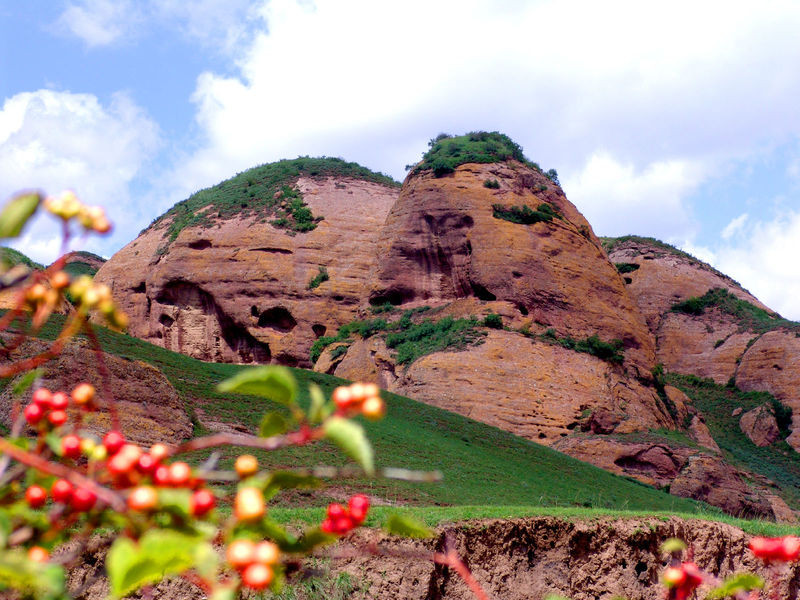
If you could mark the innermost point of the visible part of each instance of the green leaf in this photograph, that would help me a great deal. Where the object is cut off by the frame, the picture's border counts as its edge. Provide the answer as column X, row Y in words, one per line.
column 405, row 526
column 272, row 424
column 223, row 593
column 206, row 561
column 310, row 540
column 26, row 381
column 318, row 411
column 159, row 553
column 350, row 437
column 284, row 480
column 175, row 501
column 17, row 212
column 740, row 582
column 271, row 381
column 673, row 545
column 5, row 527
column 43, row 580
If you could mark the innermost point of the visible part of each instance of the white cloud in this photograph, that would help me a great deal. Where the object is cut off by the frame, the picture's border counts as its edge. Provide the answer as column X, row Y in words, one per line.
column 765, row 262
column 618, row 199
column 58, row 140
column 734, row 226
column 99, row 22
column 222, row 24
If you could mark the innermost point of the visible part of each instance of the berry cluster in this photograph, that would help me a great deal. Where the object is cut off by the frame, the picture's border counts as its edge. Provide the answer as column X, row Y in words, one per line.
column 341, row 519
column 254, row 561
column 361, row 398
column 122, row 465
column 67, row 206
column 783, row 549
column 50, row 407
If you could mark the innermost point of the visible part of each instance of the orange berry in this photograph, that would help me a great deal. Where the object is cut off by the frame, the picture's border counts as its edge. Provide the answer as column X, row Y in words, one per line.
column 246, row 465
column 38, row 554
column 374, row 408
column 159, row 452
column 249, row 504
column 357, row 392
column 267, row 553
column 180, row 474
column 59, row 280
column 143, row 498
column 83, row 393
column 240, row 553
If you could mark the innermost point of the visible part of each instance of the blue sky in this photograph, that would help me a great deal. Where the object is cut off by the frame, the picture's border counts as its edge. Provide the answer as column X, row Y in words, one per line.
column 678, row 121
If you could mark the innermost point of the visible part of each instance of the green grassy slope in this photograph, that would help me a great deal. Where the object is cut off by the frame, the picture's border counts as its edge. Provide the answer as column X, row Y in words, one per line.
column 10, row 257
column 481, row 465
column 778, row 461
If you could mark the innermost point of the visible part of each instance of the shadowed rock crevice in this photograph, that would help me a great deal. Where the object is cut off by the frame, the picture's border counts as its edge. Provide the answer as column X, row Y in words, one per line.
column 197, row 322
column 277, row 318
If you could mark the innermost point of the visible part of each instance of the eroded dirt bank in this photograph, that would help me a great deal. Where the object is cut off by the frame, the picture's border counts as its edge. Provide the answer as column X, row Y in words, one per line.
column 519, row 559
column 527, row 559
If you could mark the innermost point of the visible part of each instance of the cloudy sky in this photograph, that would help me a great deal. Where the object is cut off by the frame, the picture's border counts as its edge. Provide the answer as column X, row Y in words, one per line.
column 676, row 120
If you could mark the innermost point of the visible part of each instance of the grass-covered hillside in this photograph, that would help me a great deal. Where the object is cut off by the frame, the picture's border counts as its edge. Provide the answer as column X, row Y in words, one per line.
column 266, row 191
column 448, row 152
column 10, row 258
column 83, row 263
column 481, row 465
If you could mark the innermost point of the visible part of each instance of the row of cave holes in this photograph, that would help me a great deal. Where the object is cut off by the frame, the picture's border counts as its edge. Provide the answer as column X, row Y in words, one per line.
column 277, row 318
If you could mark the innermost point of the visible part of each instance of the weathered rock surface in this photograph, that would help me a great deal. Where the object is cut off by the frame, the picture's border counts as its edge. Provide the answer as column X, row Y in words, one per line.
column 699, row 432
column 772, row 364
column 149, row 408
column 441, row 242
column 709, row 345
column 666, row 276
column 760, row 426
column 239, row 292
column 531, row 388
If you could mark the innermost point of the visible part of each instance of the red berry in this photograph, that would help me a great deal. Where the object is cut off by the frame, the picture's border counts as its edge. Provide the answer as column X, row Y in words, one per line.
column 82, row 499
column 342, row 524
column 71, row 446
column 113, row 441
column 59, row 401
column 336, row 511
column 143, row 498
column 327, row 526
column 201, row 502
column 36, row 496
column 61, row 491
column 257, row 576
column 342, row 397
column 57, row 418
column 42, row 397
column 180, row 474
column 121, row 464
column 791, row 548
column 33, row 413
column 146, row 463
column 359, row 505
column 161, row 475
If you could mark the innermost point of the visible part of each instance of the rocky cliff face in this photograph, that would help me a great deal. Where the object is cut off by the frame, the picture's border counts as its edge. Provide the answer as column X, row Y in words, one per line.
column 444, row 239
column 243, row 290
column 577, row 341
